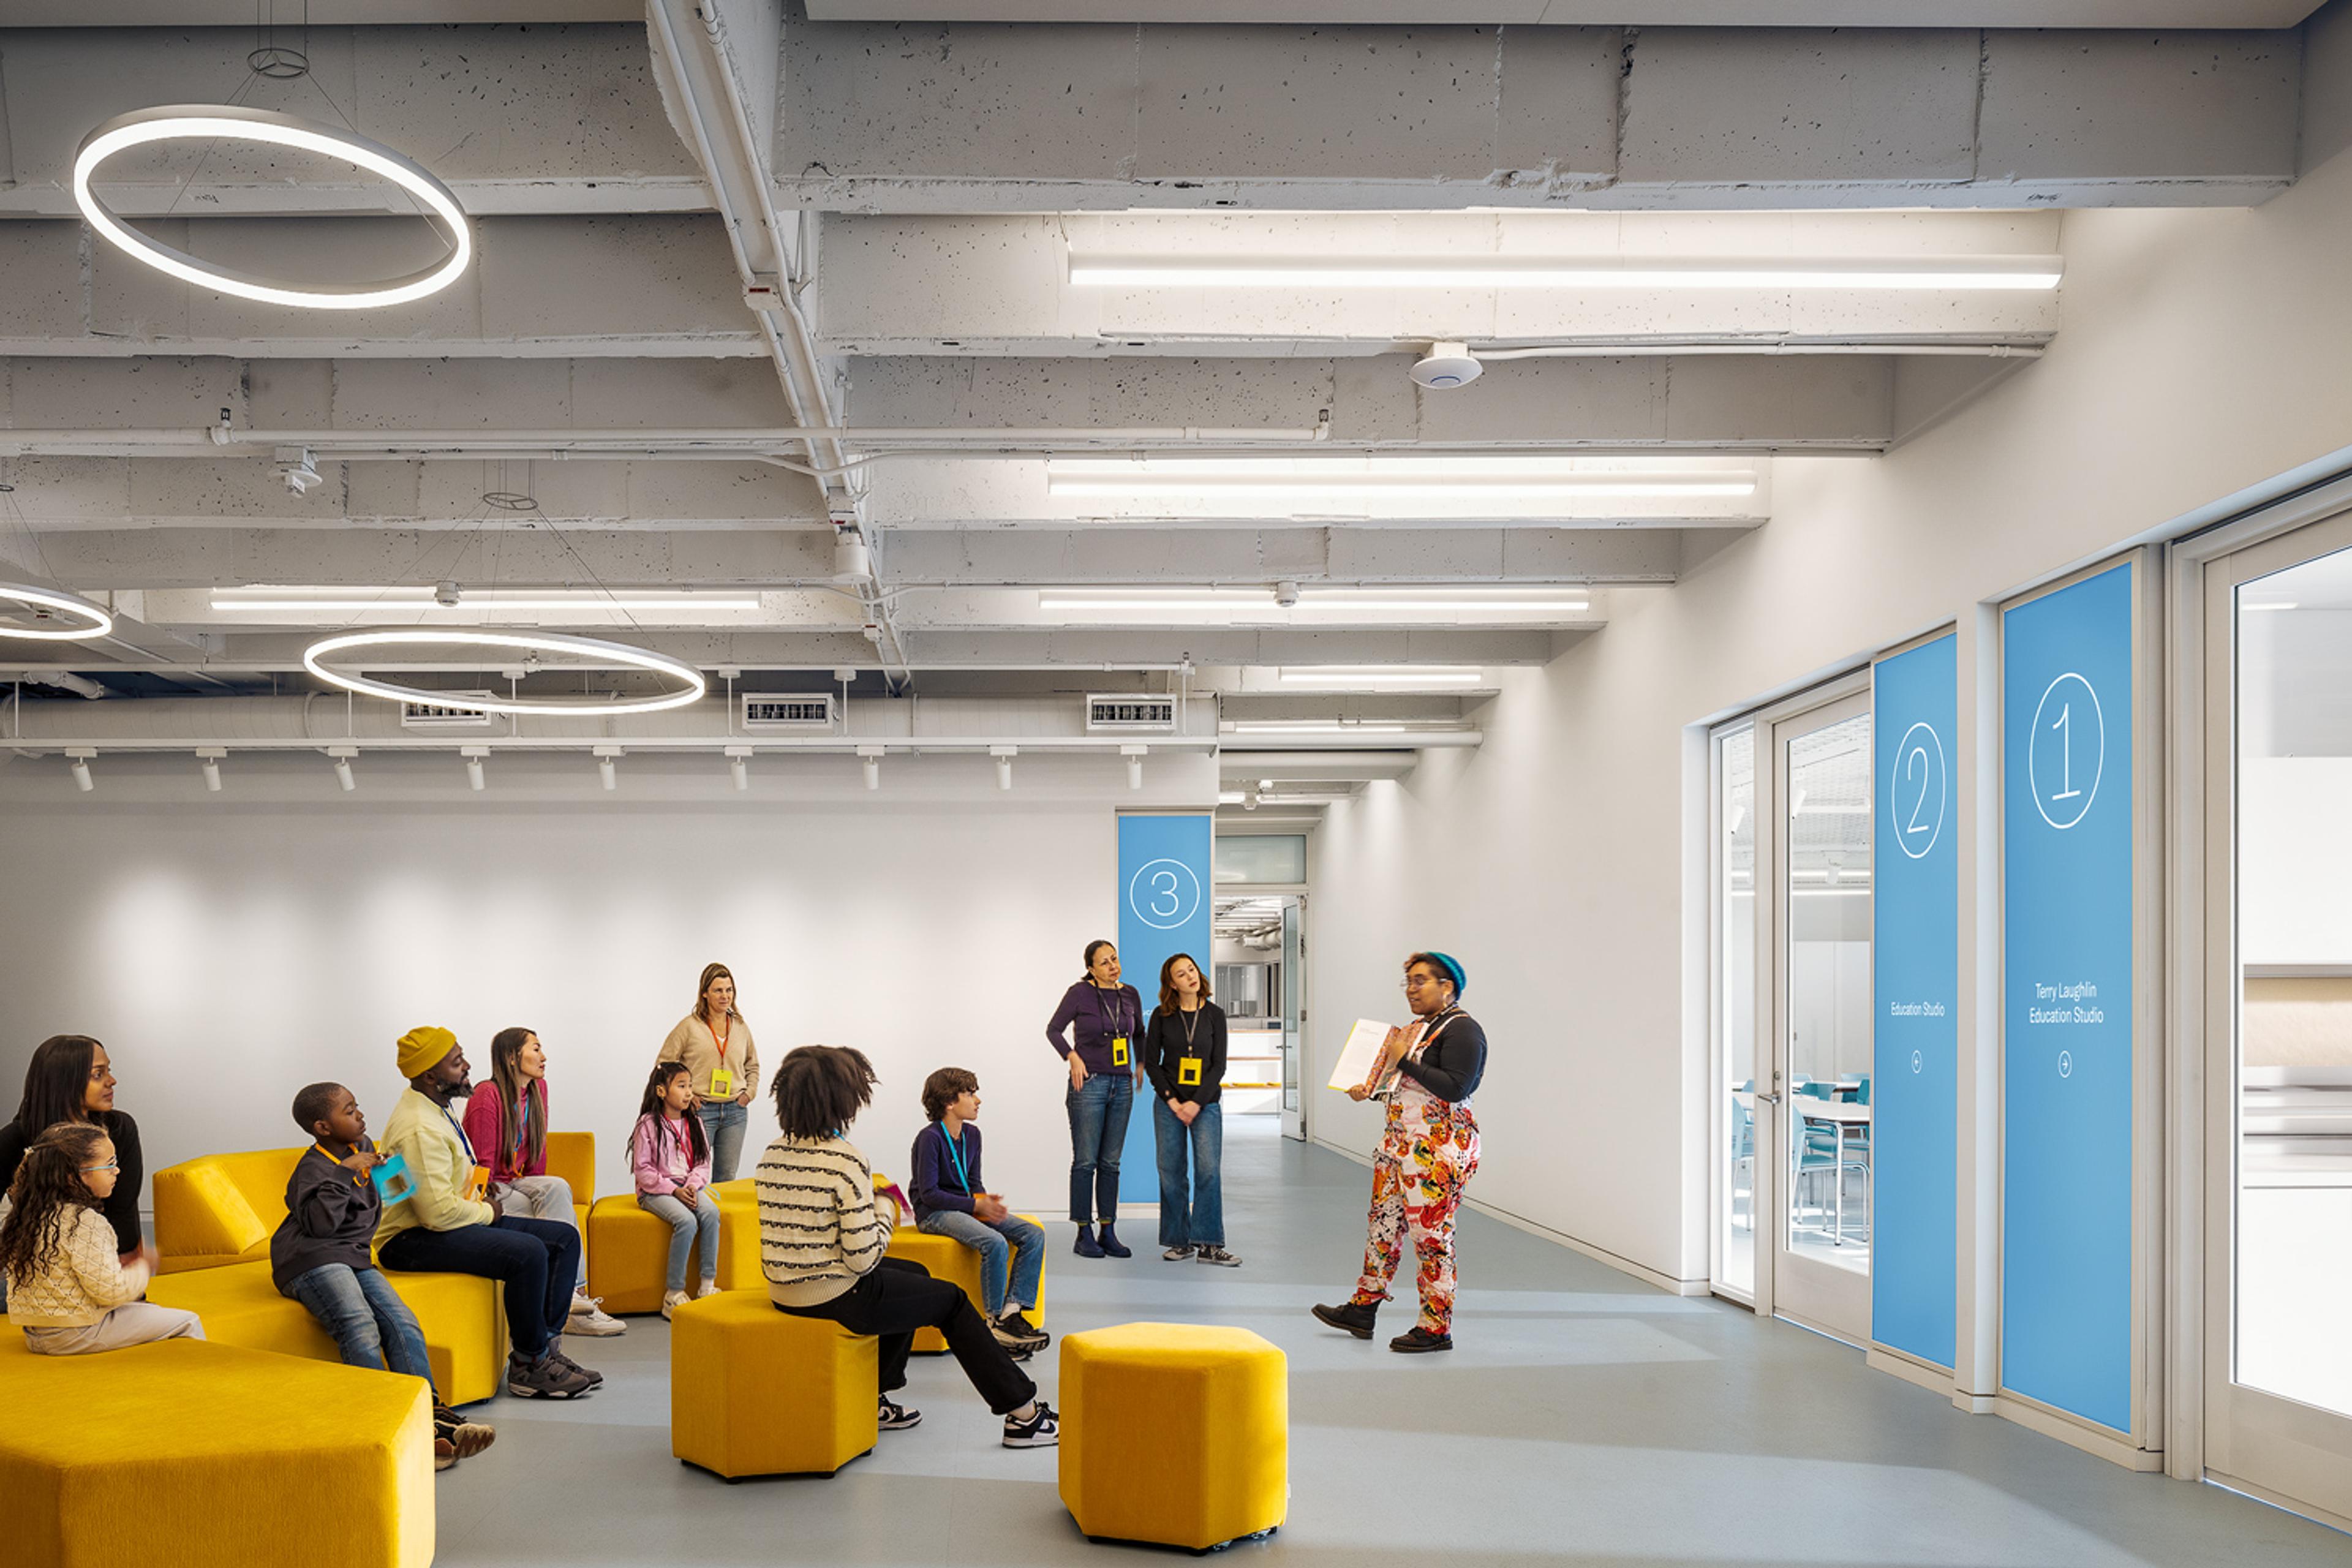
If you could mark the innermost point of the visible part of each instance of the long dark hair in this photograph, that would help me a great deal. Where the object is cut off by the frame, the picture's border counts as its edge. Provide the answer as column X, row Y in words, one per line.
column 820, row 1089
column 1169, row 1000
column 656, row 1085
column 56, row 1083
column 522, row 1114
column 48, row 1189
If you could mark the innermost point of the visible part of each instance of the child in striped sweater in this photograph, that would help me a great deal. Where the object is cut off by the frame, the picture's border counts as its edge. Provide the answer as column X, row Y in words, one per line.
column 822, row 1230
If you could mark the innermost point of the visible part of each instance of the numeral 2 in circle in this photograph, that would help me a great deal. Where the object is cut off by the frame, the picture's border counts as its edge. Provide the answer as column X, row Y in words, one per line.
column 1918, row 755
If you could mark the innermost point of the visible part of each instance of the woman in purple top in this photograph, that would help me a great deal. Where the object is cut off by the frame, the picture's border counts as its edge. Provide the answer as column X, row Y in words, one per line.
column 1107, row 1019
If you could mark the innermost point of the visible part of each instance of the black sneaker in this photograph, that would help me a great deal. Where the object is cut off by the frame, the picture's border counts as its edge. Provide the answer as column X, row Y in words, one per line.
column 1112, row 1246
column 1418, row 1340
column 466, row 1437
column 1042, row 1430
column 546, row 1378
column 594, row 1377
column 1357, row 1320
column 1177, row 1253
column 1220, row 1257
column 1015, row 1329
column 895, row 1417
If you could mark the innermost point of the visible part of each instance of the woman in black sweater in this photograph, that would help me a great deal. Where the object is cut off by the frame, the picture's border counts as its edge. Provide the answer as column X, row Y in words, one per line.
column 70, row 1079
column 1427, row 1153
column 1184, row 1057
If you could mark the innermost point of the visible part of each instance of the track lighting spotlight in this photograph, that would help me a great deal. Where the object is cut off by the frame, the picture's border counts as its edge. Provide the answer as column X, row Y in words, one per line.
column 475, row 756
column 209, row 758
column 80, row 759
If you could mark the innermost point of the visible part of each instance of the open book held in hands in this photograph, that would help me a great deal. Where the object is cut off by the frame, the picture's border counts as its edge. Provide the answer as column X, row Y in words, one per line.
column 1362, row 1052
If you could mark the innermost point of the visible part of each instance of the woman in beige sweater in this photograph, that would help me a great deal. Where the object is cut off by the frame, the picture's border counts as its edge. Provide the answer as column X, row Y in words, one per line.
column 67, row 1289
column 715, row 1044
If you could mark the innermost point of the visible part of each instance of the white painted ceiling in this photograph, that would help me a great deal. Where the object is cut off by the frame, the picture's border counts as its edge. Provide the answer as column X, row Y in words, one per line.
column 1597, row 13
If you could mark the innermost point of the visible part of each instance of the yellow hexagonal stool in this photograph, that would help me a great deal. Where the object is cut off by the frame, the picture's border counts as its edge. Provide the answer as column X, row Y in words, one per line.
column 756, row 1392
column 952, row 1260
column 1144, row 1403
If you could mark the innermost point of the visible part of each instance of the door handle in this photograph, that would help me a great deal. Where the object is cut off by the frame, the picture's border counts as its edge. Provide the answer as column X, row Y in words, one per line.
column 1768, row 1099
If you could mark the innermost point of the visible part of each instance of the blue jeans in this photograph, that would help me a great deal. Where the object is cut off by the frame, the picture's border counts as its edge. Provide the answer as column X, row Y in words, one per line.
column 685, row 1223
column 724, row 1125
column 1201, row 1222
column 1011, row 1255
column 1098, row 1111
column 371, row 1324
column 535, row 1260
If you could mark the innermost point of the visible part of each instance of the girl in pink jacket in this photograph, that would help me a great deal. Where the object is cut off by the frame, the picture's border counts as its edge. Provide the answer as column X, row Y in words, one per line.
column 671, row 1158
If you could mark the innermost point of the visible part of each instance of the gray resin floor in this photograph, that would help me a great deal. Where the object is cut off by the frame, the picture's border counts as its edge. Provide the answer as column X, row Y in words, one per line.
column 1585, row 1419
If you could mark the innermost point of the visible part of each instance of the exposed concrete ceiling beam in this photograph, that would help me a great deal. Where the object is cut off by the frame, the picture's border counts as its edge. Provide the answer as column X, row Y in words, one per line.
column 554, row 119
column 564, row 286
column 991, row 118
column 1585, row 13
column 1713, row 404
column 202, row 557
column 999, row 284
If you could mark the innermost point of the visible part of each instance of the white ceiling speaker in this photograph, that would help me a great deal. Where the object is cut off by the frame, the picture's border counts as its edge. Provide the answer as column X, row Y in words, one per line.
column 1447, row 365
column 853, row 563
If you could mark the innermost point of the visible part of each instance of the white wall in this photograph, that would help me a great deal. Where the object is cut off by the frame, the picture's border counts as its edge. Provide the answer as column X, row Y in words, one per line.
column 2201, row 354
column 231, row 947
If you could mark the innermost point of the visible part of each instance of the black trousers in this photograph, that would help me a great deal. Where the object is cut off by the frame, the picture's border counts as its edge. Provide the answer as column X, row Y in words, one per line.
column 900, row 1297
column 536, row 1259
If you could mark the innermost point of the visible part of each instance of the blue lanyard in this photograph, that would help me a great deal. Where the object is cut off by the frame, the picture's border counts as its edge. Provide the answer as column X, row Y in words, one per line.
column 955, row 1152
column 523, row 1127
column 460, row 1132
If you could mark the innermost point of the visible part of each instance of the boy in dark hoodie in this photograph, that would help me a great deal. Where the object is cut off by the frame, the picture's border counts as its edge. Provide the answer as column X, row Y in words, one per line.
column 320, row 1257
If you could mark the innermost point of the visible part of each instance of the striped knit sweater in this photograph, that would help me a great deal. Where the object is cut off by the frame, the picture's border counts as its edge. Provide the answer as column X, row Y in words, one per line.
column 822, row 1225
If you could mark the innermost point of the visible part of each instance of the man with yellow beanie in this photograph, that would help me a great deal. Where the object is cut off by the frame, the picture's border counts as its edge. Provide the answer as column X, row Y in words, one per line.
column 445, row 1226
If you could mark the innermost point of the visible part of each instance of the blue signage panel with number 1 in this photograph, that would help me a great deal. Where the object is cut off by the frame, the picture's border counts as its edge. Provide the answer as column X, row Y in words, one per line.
column 1915, row 990
column 2066, row 1007
column 1163, row 909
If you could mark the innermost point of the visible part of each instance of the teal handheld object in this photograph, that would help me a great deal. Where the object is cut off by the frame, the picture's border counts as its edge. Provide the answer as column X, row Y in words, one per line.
column 394, row 1184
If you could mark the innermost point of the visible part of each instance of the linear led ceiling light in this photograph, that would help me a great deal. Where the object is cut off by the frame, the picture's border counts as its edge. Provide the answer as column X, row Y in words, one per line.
column 1421, row 477
column 89, row 620
column 1266, row 604
column 1208, row 269
column 358, row 601
column 211, row 121
column 1382, row 674
column 589, row 653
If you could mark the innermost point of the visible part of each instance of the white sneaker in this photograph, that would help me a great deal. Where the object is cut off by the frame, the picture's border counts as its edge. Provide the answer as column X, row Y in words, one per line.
column 589, row 1318
column 708, row 1287
column 672, row 1300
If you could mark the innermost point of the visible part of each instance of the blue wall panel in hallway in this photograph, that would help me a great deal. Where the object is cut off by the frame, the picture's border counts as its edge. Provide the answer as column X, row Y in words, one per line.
column 1163, row 909
column 2067, row 1093
column 1915, row 963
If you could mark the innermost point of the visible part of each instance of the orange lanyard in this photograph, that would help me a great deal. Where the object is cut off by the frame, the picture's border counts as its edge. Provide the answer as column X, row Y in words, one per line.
column 722, row 1040
column 356, row 1178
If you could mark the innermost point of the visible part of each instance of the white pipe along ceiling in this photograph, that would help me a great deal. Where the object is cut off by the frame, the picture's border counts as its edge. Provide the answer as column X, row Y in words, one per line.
column 960, row 397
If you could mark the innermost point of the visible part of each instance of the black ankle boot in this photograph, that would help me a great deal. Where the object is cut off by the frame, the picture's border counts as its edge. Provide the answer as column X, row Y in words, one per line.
column 1087, row 1247
column 1113, row 1246
column 1352, row 1318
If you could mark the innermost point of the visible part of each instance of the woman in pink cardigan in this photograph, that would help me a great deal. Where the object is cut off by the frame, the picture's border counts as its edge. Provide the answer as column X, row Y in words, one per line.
column 507, row 1122
column 671, row 1158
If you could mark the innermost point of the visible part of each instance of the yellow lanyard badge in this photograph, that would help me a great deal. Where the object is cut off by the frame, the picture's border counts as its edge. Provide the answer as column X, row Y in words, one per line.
column 1188, row 1072
column 1118, row 1050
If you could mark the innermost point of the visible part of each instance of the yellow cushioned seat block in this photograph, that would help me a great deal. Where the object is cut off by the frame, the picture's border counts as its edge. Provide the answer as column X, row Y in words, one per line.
column 220, row 1209
column 949, row 1259
column 738, row 1236
column 465, row 1334
column 208, row 1455
column 1177, row 1433
column 573, row 1156
column 629, row 1255
column 756, row 1392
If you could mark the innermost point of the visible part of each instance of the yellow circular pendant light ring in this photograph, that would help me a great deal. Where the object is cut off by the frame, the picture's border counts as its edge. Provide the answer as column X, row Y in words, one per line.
column 99, row 622
column 180, row 122
column 691, row 683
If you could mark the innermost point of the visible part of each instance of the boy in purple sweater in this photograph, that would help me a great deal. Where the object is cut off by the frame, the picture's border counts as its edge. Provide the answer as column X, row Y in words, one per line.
column 949, row 1201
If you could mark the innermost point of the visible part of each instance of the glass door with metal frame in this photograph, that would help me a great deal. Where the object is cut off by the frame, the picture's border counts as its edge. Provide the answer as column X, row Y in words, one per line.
column 2278, row 1036
column 1294, row 1015
column 1822, row 1023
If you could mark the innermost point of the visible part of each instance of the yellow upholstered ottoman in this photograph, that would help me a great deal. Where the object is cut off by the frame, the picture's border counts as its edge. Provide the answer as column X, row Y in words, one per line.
column 628, row 1256
column 738, row 1236
column 206, row 1456
column 1143, row 1404
column 949, row 1259
column 755, row 1392
column 465, row 1332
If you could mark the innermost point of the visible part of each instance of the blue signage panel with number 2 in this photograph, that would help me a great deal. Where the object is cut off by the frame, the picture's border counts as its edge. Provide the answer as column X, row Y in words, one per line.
column 2066, row 1008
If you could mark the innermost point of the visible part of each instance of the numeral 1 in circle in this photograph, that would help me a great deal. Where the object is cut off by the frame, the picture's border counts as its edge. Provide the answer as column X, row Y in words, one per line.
column 2064, row 725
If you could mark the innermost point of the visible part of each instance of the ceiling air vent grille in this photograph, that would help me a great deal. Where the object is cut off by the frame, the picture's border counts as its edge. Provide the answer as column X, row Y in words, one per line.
column 1129, row 713
column 439, row 716
column 772, row 710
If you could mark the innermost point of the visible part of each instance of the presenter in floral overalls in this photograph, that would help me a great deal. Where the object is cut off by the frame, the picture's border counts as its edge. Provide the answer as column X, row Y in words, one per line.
column 1428, row 1072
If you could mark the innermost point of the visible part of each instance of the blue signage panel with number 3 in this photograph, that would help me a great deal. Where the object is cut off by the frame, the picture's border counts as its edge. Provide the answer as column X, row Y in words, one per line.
column 1163, row 909
column 2067, row 1007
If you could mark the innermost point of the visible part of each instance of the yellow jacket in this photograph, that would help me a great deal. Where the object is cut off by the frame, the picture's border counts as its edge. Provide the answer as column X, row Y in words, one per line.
column 426, row 1136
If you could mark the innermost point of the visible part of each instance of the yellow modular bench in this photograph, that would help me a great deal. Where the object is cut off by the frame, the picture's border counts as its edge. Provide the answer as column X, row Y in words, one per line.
column 755, row 1392
column 629, row 1255
column 220, row 1209
column 1145, row 1402
column 206, row 1456
column 952, row 1260
column 465, row 1332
